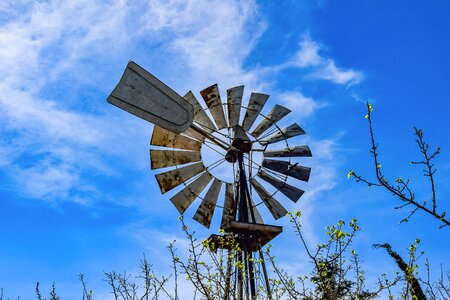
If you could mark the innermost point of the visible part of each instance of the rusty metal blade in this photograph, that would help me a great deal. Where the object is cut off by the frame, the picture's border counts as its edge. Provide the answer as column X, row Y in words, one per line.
column 191, row 133
column 167, row 158
column 170, row 179
column 284, row 167
column 184, row 198
column 212, row 99
column 200, row 115
column 289, row 191
column 234, row 100
column 276, row 209
column 256, row 214
column 165, row 138
column 145, row 96
column 205, row 211
column 228, row 213
column 255, row 105
column 286, row 133
column 296, row 151
column 277, row 113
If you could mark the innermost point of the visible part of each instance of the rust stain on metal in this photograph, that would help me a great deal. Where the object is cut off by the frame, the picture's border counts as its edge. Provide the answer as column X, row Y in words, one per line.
column 234, row 100
column 165, row 138
column 255, row 105
column 184, row 198
column 170, row 179
column 297, row 151
column 286, row 133
column 276, row 209
column 206, row 209
column 209, row 94
column 200, row 115
column 228, row 213
column 212, row 99
column 284, row 167
column 276, row 114
column 191, row 133
column 288, row 190
column 168, row 158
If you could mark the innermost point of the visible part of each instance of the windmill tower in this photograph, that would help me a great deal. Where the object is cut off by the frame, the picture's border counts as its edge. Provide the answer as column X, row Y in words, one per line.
column 183, row 128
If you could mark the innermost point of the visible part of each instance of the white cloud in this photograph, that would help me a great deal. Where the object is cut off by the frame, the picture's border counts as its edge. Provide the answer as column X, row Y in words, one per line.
column 205, row 41
column 56, row 40
column 210, row 39
column 308, row 54
column 300, row 104
column 47, row 40
column 330, row 72
column 321, row 67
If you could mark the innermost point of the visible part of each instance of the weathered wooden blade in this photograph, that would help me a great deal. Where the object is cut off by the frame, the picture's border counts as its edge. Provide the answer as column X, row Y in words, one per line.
column 165, row 138
column 212, row 99
column 228, row 213
column 289, row 191
column 284, row 167
column 234, row 100
column 255, row 105
column 277, row 113
column 145, row 96
column 170, row 179
column 256, row 214
column 200, row 115
column 191, row 133
column 276, row 209
column 205, row 211
column 167, row 158
column 286, row 133
column 296, row 151
column 183, row 199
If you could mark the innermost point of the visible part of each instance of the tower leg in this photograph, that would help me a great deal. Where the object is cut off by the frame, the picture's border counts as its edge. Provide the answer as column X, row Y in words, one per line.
column 240, row 277
column 266, row 278
column 228, row 275
column 251, row 276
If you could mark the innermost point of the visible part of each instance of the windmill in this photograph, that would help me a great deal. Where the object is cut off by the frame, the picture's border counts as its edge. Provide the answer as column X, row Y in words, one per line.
column 183, row 128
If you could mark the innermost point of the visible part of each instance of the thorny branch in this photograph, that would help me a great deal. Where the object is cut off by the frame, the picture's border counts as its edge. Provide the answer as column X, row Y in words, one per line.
column 401, row 189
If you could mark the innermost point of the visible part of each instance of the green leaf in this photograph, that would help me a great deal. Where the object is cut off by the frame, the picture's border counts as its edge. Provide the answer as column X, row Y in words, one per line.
column 350, row 173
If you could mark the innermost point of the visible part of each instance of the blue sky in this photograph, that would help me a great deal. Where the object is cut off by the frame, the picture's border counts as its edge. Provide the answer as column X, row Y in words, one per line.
column 76, row 192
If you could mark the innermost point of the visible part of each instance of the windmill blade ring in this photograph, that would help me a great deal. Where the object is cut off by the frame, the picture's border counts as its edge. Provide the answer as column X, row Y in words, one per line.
column 183, row 126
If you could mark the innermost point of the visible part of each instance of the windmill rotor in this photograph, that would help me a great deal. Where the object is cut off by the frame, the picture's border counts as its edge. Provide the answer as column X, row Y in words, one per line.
column 186, row 129
column 186, row 153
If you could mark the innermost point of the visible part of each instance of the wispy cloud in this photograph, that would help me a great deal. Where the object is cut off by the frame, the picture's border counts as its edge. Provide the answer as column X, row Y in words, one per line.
column 307, row 55
column 302, row 105
column 321, row 67
column 65, row 42
column 330, row 72
column 53, row 143
column 210, row 39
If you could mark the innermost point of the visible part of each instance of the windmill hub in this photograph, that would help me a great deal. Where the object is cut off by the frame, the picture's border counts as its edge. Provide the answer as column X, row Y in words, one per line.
column 240, row 146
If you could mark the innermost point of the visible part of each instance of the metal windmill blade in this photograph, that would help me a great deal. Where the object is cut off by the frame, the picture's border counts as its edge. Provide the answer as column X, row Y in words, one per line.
column 277, row 113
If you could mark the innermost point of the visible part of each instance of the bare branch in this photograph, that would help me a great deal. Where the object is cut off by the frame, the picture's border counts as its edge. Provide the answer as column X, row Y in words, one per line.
column 402, row 189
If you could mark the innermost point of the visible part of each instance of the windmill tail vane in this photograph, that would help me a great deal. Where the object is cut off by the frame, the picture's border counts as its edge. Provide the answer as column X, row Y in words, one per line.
column 184, row 130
